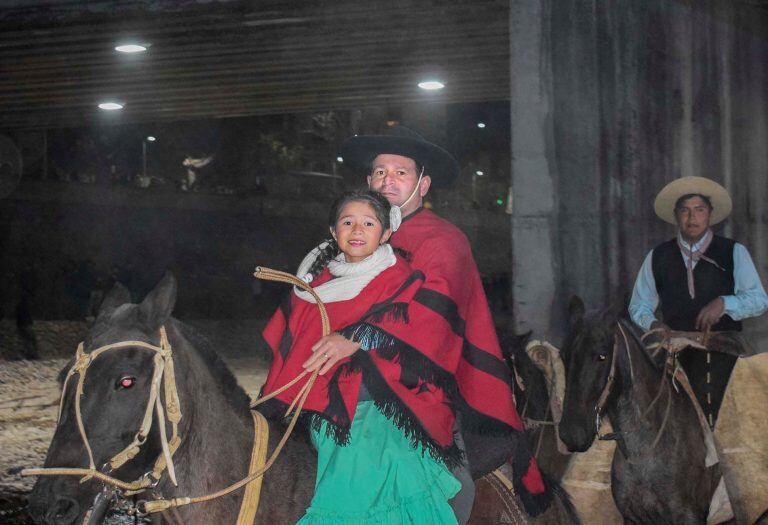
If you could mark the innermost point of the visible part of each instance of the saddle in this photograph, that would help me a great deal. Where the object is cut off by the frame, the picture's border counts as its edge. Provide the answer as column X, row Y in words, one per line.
column 496, row 501
column 740, row 436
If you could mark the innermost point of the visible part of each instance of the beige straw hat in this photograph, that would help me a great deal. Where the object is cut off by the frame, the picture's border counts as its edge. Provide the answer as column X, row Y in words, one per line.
column 665, row 201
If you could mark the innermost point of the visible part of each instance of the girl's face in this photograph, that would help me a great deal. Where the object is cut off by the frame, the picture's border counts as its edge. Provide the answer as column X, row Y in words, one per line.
column 358, row 232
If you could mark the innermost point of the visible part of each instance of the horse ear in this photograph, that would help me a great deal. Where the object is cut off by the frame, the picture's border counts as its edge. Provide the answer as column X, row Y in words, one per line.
column 117, row 296
column 157, row 306
column 576, row 311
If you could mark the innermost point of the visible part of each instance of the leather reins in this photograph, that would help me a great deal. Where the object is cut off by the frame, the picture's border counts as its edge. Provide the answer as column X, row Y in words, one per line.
column 163, row 371
column 672, row 344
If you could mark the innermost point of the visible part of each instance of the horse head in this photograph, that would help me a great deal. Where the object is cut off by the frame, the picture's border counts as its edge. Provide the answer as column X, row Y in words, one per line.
column 113, row 398
column 588, row 357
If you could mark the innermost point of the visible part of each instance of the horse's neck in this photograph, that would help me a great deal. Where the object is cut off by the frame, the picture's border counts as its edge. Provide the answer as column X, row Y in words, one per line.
column 636, row 408
column 216, row 440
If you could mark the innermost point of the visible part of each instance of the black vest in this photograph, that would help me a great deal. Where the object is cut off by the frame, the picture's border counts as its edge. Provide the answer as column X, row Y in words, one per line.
column 678, row 310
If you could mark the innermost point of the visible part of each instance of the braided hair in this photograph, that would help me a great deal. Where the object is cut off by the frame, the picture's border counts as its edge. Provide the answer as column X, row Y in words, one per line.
column 380, row 207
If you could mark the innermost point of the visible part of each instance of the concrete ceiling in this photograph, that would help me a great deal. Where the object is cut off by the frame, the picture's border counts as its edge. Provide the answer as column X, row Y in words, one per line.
column 236, row 58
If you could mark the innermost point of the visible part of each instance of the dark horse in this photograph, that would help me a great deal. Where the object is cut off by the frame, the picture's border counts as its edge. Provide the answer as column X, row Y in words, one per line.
column 658, row 474
column 532, row 397
column 216, row 426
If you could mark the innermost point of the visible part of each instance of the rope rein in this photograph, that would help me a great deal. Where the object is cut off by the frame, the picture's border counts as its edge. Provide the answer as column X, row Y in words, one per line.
column 163, row 371
column 672, row 342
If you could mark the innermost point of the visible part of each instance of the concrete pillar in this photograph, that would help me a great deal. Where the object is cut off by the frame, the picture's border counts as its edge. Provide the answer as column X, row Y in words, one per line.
column 533, row 189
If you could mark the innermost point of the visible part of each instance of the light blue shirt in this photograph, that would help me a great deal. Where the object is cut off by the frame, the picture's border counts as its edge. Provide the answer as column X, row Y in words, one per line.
column 748, row 300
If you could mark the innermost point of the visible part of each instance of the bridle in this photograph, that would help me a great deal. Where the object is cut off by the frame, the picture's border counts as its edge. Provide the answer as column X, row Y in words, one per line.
column 602, row 401
column 672, row 344
column 164, row 372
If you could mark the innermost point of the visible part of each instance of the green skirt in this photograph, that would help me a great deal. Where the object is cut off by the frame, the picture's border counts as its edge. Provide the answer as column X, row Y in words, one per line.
column 378, row 478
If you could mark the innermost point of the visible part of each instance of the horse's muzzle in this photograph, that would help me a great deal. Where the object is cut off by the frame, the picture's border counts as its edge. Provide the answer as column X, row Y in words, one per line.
column 63, row 511
column 576, row 435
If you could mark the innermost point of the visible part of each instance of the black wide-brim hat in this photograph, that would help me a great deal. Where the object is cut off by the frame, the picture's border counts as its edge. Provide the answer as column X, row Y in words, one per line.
column 359, row 151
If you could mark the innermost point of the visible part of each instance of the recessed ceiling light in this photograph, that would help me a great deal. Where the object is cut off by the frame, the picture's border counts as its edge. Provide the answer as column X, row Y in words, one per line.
column 131, row 48
column 431, row 85
column 151, row 138
column 110, row 106
column 481, row 125
column 479, row 173
column 339, row 159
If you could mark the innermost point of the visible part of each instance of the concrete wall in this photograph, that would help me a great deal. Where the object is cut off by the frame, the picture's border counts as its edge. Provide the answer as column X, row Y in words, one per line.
column 610, row 101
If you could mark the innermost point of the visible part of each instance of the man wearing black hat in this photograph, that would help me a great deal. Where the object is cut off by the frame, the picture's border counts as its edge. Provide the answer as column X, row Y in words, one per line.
column 402, row 166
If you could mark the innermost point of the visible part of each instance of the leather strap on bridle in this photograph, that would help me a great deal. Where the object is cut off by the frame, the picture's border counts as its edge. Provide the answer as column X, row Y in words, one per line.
column 602, row 401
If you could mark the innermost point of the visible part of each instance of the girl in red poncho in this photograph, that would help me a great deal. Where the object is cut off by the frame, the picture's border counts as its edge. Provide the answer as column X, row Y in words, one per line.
column 380, row 412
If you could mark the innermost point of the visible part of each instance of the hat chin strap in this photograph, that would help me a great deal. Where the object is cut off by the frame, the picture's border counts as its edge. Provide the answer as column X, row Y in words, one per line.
column 396, row 213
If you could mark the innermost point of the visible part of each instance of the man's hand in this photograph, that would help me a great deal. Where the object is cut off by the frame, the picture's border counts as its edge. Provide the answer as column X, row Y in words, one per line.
column 710, row 314
column 328, row 351
column 664, row 330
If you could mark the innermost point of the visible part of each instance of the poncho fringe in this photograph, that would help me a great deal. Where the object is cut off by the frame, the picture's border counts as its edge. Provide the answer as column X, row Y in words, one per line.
column 388, row 347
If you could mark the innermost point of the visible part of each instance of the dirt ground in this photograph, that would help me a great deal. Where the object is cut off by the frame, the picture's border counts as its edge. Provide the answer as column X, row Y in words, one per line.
column 29, row 397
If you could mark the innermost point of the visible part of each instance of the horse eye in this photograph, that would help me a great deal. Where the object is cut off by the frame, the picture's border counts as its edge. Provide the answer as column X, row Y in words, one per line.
column 126, row 382
column 602, row 357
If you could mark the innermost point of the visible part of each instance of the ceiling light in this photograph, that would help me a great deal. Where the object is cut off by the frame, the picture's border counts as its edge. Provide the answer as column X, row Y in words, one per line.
column 131, row 48
column 151, row 138
column 110, row 106
column 481, row 125
column 479, row 173
column 431, row 85
column 339, row 159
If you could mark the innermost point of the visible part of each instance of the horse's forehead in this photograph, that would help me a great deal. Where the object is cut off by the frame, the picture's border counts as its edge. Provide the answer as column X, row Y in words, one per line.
column 592, row 334
column 122, row 324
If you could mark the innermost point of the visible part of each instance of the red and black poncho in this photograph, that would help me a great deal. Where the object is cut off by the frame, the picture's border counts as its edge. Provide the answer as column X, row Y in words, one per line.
column 404, row 367
column 452, row 306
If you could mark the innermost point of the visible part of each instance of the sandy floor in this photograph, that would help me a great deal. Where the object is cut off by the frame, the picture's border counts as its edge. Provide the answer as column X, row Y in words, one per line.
column 29, row 396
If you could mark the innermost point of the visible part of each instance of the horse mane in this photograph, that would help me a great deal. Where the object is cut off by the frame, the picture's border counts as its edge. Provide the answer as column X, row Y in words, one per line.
column 228, row 384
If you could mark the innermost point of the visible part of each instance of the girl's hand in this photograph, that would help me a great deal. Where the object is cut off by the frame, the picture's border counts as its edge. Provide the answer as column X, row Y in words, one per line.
column 328, row 351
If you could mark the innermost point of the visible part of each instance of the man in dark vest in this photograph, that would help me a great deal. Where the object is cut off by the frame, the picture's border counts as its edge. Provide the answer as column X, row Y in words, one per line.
column 700, row 281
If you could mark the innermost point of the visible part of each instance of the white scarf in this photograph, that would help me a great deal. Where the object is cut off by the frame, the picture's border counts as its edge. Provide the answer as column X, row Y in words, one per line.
column 350, row 278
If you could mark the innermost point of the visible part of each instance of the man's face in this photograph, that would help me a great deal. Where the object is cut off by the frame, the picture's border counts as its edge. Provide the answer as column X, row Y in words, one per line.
column 693, row 218
column 395, row 177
